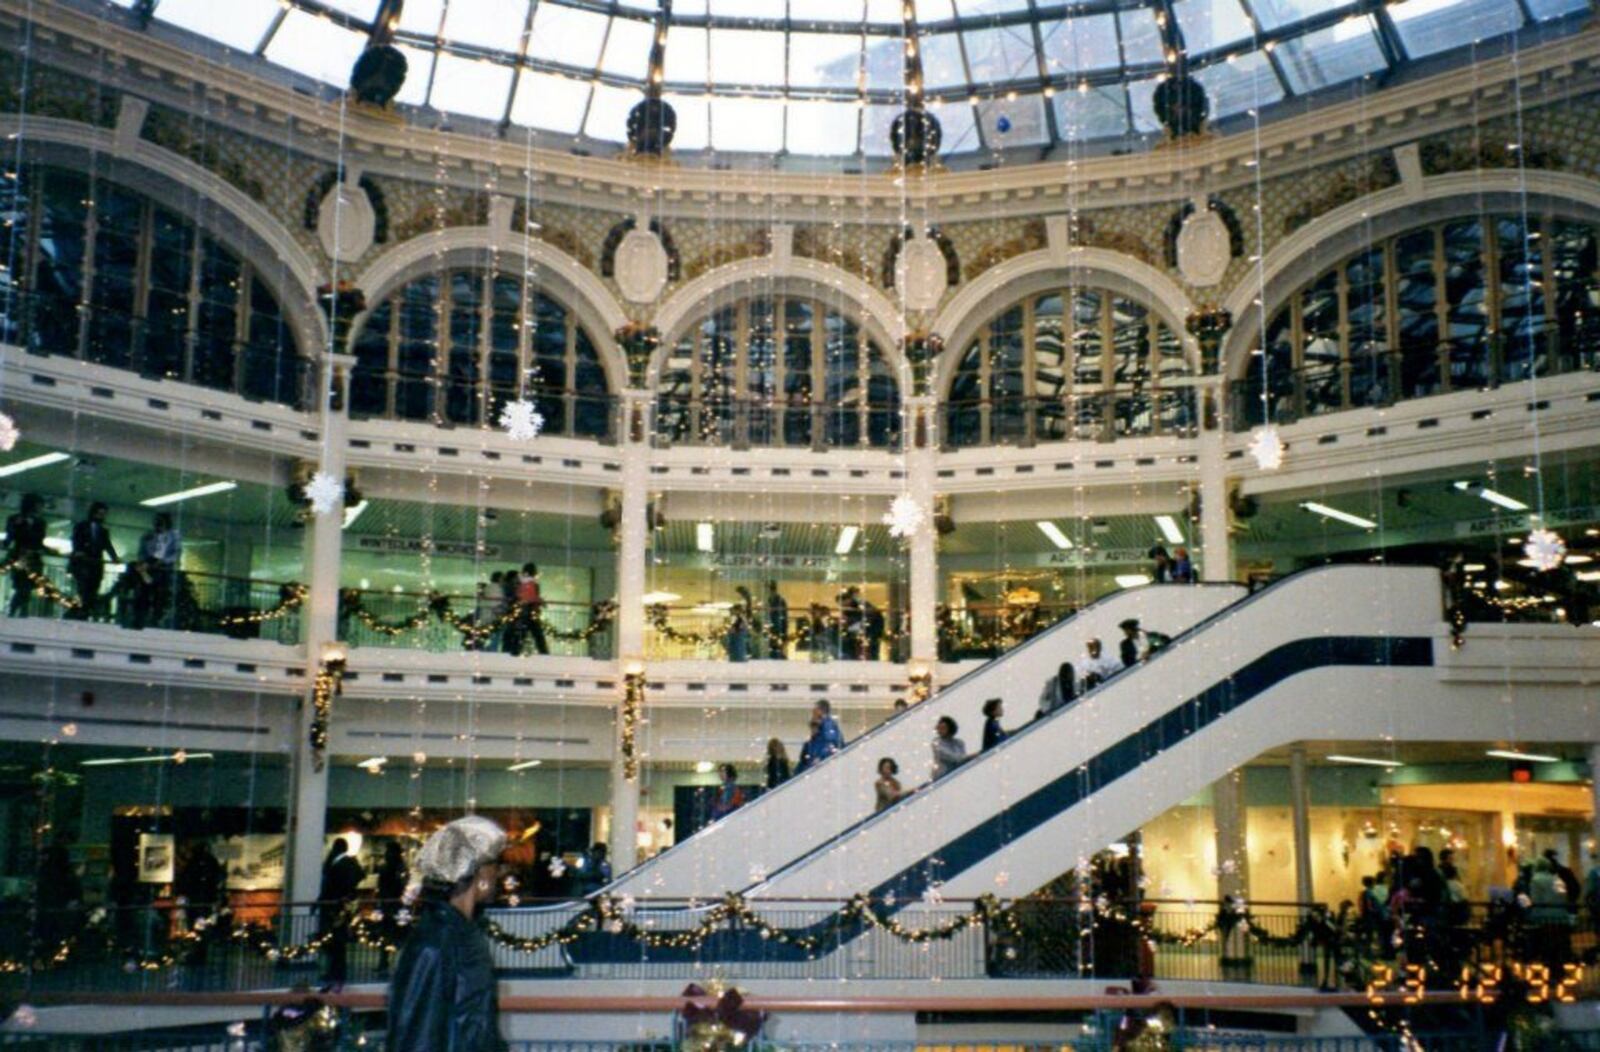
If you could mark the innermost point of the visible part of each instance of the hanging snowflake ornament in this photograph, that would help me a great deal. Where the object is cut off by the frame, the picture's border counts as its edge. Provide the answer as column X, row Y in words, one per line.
column 1266, row 446
column 932, row 896
column 558, row 866
column 1545, row 549
column 904, row 517
column 9, row 433
column 324, row 492
column 522, row 420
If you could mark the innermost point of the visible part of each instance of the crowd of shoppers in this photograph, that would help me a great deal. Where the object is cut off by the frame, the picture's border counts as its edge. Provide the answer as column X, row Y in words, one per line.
column 856, row 630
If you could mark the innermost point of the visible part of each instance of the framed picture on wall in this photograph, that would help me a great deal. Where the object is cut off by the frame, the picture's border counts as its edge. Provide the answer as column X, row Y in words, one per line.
column 156, row 852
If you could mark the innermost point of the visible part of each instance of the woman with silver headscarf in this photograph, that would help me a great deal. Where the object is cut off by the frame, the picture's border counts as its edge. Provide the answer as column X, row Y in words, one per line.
column 443, row 996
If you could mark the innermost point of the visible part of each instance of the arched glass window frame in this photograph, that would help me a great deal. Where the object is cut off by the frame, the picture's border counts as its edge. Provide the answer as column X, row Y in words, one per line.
column 982, row 408
column 457, row 390
column 762, row 397
column 1473, row 305
column 146, row 288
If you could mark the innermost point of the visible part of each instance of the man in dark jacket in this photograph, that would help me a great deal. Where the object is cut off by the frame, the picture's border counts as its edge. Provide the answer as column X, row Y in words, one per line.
column 341, row 880
column 443, row 997
column 91, row 546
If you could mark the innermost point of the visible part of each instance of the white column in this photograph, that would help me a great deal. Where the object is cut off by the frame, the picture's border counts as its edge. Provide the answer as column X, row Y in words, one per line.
column 1594, row 801
column 921, row 471
column 633, row 538
column 319, row 618
column 1228, row 815
column 1216, row 545
column 1300, row 813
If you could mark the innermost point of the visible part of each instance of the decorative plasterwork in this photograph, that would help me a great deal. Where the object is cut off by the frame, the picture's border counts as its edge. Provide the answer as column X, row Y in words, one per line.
column 1465, row 95
column 641, row 266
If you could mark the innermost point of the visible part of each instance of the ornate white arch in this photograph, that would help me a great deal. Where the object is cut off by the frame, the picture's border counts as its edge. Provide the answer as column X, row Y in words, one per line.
column 1016, row 279
column 557, row 273
column 231, row 214
column 878, row 314
column 1333, row 237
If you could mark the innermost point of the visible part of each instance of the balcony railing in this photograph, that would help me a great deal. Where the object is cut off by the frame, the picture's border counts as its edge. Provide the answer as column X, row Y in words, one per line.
column 442, row 623
column 133, row 598
column 168, row 945
column 811, row 634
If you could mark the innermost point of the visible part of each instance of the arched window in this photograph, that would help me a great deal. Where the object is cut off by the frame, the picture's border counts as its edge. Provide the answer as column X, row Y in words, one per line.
column 778, row 371
column 100, row 273
column 1069, row 363
column 455, row 346
column 1457, row 305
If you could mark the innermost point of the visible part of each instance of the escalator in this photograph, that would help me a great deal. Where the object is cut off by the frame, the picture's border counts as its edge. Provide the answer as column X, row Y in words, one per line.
column 809, row 810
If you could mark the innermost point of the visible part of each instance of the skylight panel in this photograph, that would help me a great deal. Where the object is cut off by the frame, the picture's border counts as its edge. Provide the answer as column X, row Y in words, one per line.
column 745, row 58
column 553, row 103
column 1002, row 54
column 471, row 87
column 1141, row 94
column 686, row 55
column 419, row 71
column 422, row 17
column 960, row 128
column 1333, row 55
column 317, row 47
column 823, row 129
column 883, row 12
column 493, row 24
column 1240, row 84
column 362, row 9
column 749, row 8
column 639, row 5
column 941, row 61
column 747, row 125
column 239, row 23
column 1427, row 27
column 628, row 48
column 934, row 10
column 825, row 60
column 694, row 122
column 1013, row 122
column 1094, row 113
column 568, row 35
column 1141, row 37
column 1078, row 45
column 608, row 112
column 875, row 124
column 1211, row 24
column 885, row 60
column 1275, row 13
column 980, row 8
column 845, row 12
column 1547, row 9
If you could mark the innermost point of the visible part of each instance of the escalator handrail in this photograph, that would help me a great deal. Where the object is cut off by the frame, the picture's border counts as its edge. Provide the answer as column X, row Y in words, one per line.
column 1031, row 725
column 643, row 868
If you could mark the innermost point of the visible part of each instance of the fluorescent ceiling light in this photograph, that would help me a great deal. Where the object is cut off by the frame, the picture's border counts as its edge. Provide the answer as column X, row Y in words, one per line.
column 1475, row 567
column 373, row 764
column 659, row 598
column 1588, row 575
column 705, row 767
column 188, row 494
column 1169, row 529
column 524, row 765
column 351, row 514
column 705, row 537
column 1492, row 496
column 1052, row 531
column 1131, row 580
column 1364, row 761
column 42, row 460
column 118, row 761
column 1334, row 513
column 1526, row 757
column 1571, row 560
column 847, row 540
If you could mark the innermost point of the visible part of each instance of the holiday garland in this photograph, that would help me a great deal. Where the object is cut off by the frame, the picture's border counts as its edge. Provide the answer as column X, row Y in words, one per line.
column 437, row 605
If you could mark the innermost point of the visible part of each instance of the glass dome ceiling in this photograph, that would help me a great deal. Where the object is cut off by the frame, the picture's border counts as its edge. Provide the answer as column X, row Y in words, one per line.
column 824, row 77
